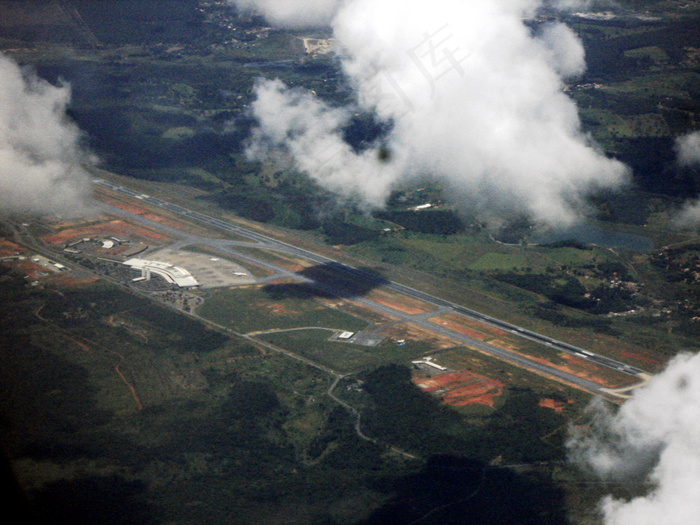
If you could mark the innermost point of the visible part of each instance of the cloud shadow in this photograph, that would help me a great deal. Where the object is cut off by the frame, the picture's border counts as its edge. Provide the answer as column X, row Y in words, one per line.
column 329, row 281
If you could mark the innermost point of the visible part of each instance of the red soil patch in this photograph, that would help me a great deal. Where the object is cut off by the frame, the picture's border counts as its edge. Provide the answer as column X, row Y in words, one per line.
column 136, row 209
column 68, row 280
column 416, row 333
column 294, row 267
column 359, row 310
column 462, row 388
column 31, row 270
column 35, row 271
column 459, row 328
column 557, row 406
column 472, row 328
column 474, row 324
column 279, row 309
column 163, row 217
column 401, row 303
column 131, row 208
column 581, row 368
column 397, row 306
column 117, row 228
column 641, row 358
column 10, row 249
column 164, row 220
column 502, row 344
column 575, row 366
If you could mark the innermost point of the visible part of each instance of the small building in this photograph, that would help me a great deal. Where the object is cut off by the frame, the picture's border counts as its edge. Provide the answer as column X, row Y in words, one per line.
column 345, row 335
column 429, row 362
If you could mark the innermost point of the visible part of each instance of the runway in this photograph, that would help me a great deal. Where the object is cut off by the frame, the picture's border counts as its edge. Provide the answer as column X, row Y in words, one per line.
column 269, row 243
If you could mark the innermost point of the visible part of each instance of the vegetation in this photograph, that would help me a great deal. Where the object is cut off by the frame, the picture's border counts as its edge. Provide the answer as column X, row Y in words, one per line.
column 223, row 423
column 147, row 416
column 404, row 415
column 436, row 222
column 267, row 309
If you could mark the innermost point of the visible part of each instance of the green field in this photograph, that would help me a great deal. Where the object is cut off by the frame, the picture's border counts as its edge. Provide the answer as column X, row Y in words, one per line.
column 251, row 309
column 344, row 357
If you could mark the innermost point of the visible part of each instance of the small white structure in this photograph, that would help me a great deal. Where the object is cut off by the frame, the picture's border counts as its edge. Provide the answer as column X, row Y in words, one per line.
column 172, row 274
column 429, row 362
column 345, row 335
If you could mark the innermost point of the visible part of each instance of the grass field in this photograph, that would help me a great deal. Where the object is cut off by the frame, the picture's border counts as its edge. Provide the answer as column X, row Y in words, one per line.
column 251, row 309
column 314, row 344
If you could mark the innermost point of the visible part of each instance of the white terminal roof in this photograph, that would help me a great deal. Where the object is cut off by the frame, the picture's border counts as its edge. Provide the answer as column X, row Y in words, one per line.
column 172, row 274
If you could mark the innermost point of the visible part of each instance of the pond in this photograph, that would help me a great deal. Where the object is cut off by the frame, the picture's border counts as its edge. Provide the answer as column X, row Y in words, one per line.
column 591, row 234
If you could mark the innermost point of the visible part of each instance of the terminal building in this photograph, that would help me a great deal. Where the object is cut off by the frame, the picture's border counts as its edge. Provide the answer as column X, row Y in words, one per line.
column 172, row 274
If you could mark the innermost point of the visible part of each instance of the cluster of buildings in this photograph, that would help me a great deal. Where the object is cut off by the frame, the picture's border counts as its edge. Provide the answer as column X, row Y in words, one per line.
column 172, row 274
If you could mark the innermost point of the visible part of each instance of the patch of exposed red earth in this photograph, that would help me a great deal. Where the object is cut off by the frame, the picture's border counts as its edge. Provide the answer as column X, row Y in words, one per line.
column 557, row 406
column 476, row 325
column 9, row 249
column 35, row 271
column 116, row 228
column 68, row 280
column 646, row 359
column 574, row 365
column 279, row 309
column 294, row 267
column 135, row 209
column 402, row 304
column 457, row 327
column 462, row 388
column 586, row 370
column 415, row 333
column 25, row 266
column 32, row 270
column 470, row 328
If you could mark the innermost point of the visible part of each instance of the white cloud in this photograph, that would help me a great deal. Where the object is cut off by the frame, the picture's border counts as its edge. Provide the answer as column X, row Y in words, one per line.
column 653, row 438
column 688, row 149
column 689, row 215
column 41, row 160
column 568, row 55
column 688, row 155
column 294, row 126
column 292, row 13
column 581, row 5
column 475, row 100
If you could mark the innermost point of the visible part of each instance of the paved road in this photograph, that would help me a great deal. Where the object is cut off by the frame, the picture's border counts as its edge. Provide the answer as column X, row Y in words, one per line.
column 271, row 243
